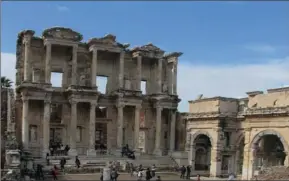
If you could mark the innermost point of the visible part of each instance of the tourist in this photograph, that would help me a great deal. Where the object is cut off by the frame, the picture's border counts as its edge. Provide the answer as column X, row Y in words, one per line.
column 101, row 176
column 113, row 175
column 39, row 172
column 47, row 159
column 188, row 172
column 131, row 169
column 148, row 174
column 77, row 162
column 62, row 163
column 66, row 149
column 158, row 178
column 54, row 173
column 198, row 177
column 153, row 170
column 140, row 167
column 183, row 171
column 139, row 175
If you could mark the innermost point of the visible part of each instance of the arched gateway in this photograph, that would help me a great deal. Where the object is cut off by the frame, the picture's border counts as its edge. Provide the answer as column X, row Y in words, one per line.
column 201, row 143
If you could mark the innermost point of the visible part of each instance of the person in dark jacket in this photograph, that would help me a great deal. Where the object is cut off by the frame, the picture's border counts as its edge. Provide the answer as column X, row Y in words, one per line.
column 183, row 171
column 148, row 174
column 188, row 172
column 62, row 163
column 113, row 175
column 77, row 162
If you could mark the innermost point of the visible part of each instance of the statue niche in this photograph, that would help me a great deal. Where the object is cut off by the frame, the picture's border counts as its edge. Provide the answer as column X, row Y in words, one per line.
column 56, row 113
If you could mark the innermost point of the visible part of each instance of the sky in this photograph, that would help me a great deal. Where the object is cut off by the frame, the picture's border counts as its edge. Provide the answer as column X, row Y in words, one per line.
column 230, row 47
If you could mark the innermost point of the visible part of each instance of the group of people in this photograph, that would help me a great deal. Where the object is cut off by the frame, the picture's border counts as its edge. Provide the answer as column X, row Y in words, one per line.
column 56, row 148
column 125, row 151
column 185, row 172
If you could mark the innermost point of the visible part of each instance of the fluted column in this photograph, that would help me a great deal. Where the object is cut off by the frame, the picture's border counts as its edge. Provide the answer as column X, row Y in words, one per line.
column 139, row 72
column 73, row 128
column 159, row 75
column 48, row 63
column 173, row 130
column 91, row 150
column 158, row 138
column 121, row 69
column 136, row 127
column 120, row 125
column 25, row 123
column 27, row 63
column 46, row 127
column 94, row 67
column 74, row 65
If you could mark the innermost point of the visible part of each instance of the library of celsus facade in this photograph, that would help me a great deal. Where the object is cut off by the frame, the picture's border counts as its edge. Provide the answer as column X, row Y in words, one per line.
column 76, row 113
column 241, row 136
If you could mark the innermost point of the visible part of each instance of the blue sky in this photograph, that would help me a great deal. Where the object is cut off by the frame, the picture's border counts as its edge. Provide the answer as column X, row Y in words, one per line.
column 224, row 43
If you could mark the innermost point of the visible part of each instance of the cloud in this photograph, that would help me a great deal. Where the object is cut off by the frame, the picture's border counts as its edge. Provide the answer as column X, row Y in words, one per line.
column 62, row 8
column 209, row 80
column 261, row 48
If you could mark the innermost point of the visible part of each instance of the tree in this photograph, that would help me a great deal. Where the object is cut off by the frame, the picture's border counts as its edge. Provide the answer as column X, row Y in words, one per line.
column 5, row 82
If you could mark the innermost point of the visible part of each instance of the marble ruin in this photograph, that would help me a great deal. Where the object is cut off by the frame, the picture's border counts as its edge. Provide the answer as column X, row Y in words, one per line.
column 76, row 113
column 242, row 136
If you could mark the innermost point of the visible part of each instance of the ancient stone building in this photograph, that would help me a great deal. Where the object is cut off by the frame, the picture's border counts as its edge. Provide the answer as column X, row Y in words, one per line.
column 238, row 135
column 76, row 113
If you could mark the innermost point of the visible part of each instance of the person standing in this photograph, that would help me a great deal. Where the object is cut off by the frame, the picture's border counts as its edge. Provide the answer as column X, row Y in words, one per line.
column 139, row 175
column 183, row 172
column 188, row 172
column 154, row 170
column 148, row 174
column 77, row 162
column 113, row 175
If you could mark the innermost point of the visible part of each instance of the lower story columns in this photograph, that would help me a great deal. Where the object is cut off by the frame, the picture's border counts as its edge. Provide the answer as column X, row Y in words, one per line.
column 158, row 150
column 136, row 128
column 120, row 126
column 25, row 123
column 46, row 128
column 73, row 128
column 173, row 130
column 91, row 150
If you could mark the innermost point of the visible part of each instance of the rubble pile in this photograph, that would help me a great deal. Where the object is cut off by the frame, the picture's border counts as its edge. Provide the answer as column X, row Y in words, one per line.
column 274, row 173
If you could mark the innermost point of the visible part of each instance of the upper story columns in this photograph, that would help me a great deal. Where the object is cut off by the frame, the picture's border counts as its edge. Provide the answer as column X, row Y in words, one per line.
column 26, row 40
column 173, row 63
column 93, row 49
column 121, row 69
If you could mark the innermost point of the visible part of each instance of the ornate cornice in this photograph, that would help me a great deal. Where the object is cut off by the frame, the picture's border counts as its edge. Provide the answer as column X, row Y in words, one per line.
column 266, row 112
column 62, row 33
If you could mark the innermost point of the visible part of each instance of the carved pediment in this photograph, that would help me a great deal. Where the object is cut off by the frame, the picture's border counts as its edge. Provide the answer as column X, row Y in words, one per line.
column 109, row 40
column 148, row 48
column 62, row 33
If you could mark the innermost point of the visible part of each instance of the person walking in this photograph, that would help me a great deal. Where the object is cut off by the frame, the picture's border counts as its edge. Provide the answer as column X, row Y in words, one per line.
column 77, row 162
column 188, row 172
column 148, row 174
column 154, row 170
column 183, row 172
column 113, row 175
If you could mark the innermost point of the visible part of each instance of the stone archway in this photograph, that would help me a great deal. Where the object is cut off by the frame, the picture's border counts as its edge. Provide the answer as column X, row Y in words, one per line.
column 201, row 143
column 269, row 149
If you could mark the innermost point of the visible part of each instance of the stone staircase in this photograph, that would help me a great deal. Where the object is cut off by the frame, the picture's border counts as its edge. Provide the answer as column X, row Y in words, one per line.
column 100, row 161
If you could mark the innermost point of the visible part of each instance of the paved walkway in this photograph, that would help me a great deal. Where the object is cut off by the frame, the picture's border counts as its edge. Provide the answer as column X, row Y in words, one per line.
column 164, row 176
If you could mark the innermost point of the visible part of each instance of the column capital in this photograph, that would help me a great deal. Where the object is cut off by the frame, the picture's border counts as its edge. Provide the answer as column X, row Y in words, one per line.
column 47, row 43
column 24, row 99
column 73, row 102
column 47, row 101
column 120, row 105
column 93, row 103
column 138, row 106
column 75, row 46
column 26, row 41
column 93, row 48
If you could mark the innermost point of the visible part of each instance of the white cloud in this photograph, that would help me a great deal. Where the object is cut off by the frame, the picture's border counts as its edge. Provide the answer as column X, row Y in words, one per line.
column 62, row 8
column 261, row 48
column 209, row 80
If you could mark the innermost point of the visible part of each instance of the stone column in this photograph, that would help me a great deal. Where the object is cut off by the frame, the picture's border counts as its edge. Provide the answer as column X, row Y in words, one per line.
column 46, row 128
column 192, row 156
column 27, row 63
column 48, row 63
column 175, row 81
column 173, row 130
column 136, row 127
column 91, row 151
column 121, row 69
column 138, row 72
column 73, row 127
column 74, row 65
column 286, row 161
column 25, row 123
column 159, row 75
column 158, row 138
column 93, row 67
column 216, row 162
column 120, row 125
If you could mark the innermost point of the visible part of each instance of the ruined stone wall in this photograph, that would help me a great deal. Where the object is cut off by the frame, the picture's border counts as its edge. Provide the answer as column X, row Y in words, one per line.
column 204, row 106
column 274, row 99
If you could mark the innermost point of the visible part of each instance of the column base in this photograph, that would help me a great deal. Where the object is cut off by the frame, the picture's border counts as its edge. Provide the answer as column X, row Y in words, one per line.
column 91, row 152
column 158, row 152
column 72, row 152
